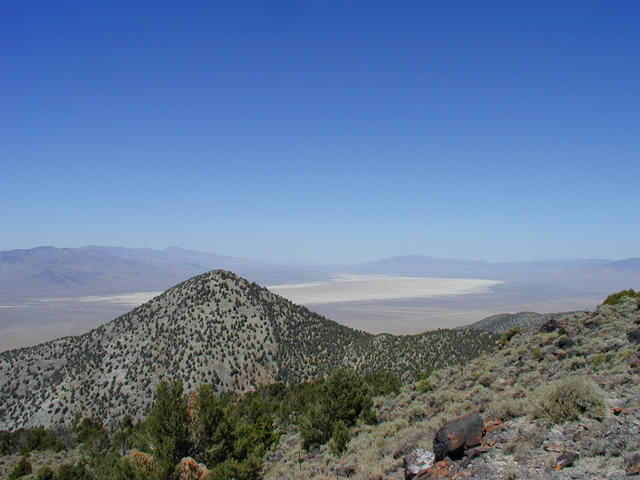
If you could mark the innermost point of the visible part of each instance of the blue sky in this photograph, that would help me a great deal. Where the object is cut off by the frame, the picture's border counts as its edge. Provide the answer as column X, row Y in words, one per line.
column 337, row 131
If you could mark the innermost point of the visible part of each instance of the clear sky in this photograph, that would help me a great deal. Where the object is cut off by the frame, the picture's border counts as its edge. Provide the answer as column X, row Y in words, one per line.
column 323, row 130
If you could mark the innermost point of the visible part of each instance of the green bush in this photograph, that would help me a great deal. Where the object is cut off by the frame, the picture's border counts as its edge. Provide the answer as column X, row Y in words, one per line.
column 616, row 298
column 536, row 353
column 597, row 360
column 24, row 441
column 345, row 397
column 92, row 435
column 73, row 472
column 45, row 473
column 125, row 469
column 22, row 468
column 167, row 425
column 383, row 383
column 340, row 438
column 507, row 408
column 425, row 385
column 568, row 399
column 509, row 334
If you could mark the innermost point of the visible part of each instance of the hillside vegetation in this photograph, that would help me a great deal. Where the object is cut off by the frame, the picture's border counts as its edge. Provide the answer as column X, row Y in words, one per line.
column 215, row 329
column 558, row 401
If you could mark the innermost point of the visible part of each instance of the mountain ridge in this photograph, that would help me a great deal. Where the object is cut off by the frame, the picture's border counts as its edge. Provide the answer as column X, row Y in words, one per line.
column 213, row 328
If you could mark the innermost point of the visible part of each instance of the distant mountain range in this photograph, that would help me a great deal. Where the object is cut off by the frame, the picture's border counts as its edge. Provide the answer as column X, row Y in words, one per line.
column 96, row 270
column 214, row 328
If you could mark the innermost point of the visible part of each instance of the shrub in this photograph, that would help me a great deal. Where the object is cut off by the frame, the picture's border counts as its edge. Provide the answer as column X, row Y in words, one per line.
column 507, row 408
column 125, row 469
column 22, row 468
column 340, row 438
column 167, row 425
column 568, row 399
column 597, row 360
column 536, row 353
column 616, row 298
column 509, row 334
column 45, row 473
column 345, row 397
column 92, row 434
column 383, row 383
column 73, row 472
column 425, row 385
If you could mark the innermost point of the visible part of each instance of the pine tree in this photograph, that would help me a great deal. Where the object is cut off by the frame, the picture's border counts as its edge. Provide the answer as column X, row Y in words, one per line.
column 167, row 425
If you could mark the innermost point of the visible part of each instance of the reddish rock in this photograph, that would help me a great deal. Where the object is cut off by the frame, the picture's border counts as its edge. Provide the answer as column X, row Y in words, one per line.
column 445, row 469
column 458, row 435
column 632, row 471
column 493, row 425
column 617, row 410
column 565, row 460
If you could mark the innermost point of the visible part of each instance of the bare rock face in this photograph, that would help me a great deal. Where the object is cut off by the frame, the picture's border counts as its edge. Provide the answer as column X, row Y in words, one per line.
column 458, row 435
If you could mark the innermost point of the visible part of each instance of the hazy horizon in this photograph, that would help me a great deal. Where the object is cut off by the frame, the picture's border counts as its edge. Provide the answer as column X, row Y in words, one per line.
column 329, row 262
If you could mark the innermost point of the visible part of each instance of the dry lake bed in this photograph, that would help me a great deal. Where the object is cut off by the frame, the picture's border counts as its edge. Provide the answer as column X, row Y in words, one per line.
column 373, row 303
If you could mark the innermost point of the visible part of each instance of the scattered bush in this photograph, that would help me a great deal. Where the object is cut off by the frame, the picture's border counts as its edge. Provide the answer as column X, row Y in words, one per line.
column 597, row 360
column 73, row 472
column 424, row 385
column 45, row 473
column 568, row 399
column 167, row 425
column 24, row 441
column 507, row 408
column 340, row 438
column 345, row 397
column 509, row 334
column 616, row 298
column 383, row 383
column 22, row 468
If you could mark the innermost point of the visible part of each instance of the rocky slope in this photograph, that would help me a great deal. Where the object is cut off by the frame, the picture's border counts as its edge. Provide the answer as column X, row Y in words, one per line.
column 558, row 401
column 504, row 321
column 214, row 328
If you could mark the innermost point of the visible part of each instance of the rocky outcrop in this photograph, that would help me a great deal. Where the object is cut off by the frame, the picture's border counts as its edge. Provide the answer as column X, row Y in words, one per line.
column 457, row 436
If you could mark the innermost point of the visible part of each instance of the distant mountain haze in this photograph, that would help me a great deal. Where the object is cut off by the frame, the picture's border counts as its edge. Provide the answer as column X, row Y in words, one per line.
column 48, row 292
column 50, row 271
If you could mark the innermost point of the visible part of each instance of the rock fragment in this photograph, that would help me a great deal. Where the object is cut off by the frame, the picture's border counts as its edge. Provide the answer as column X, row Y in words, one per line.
column 445, row 469
column 565, row 460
